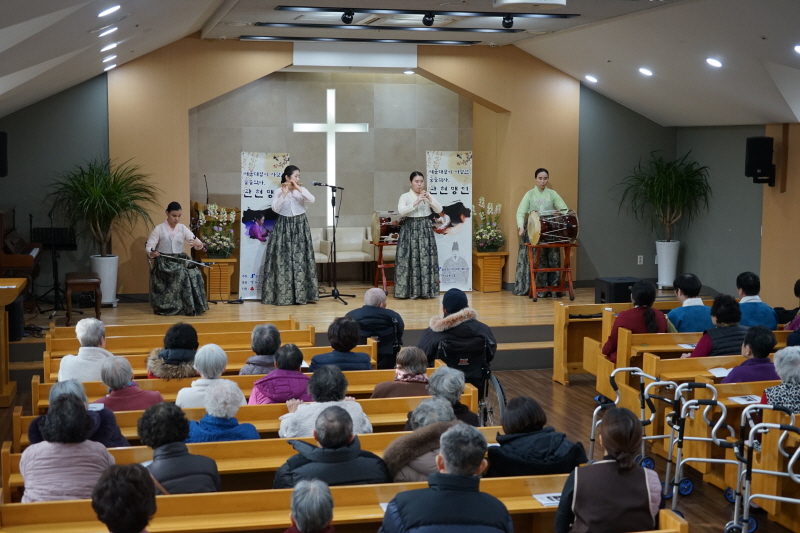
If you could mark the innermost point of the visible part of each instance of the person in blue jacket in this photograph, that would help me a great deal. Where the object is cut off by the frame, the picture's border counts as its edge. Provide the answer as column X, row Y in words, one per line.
column 692, row 315
column 343, row 335
column 754, row 311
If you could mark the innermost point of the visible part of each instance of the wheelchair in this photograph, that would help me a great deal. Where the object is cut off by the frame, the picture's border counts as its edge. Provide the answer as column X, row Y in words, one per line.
column 472, row 359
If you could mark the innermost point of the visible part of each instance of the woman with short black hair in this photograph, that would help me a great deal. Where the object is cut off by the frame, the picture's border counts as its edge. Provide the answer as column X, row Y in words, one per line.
column 528, row 447
column 176, row 359
column 727, row 335
column 343, row 335
column 176, row 287
column 164, row 428
column 66, row 465
column 125, row 498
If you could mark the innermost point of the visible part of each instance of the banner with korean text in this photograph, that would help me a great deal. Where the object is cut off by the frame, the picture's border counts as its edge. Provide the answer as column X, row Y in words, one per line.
column 450, row 182
column 261, row 177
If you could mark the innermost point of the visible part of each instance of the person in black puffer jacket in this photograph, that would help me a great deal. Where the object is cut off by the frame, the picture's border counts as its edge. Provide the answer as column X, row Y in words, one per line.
column 528, row 448
column 340, row 459
column 164, row 427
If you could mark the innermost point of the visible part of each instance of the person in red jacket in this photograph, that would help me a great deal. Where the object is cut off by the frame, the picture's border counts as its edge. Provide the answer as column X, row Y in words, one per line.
column 641, row 319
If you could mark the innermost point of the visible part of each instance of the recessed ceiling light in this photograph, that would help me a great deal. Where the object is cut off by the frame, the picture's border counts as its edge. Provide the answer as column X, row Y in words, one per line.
column 797, row 49
column 108, row 47
column 408, row 72
column 109, row 67
column 645, row 71
column 108, row 11
column 713, row 62
column 591, row 78
column 109, row 58
column 108, row 31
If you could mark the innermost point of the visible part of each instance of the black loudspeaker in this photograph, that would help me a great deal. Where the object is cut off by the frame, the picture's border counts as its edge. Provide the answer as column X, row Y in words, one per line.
column 613, row 290
column 3, row 154
column 758, row 157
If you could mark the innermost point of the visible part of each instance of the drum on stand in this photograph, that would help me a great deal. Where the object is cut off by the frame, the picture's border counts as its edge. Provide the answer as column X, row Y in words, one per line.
column 386, row 226
column 553, row 227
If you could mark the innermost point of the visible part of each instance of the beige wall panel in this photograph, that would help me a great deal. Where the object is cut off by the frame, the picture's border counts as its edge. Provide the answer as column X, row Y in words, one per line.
column 535, row 124
column 780, row 255
column 148, row 105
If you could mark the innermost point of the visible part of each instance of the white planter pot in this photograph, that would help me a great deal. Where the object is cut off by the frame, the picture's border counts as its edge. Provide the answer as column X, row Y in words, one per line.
column 106, row 268
column 667, row 262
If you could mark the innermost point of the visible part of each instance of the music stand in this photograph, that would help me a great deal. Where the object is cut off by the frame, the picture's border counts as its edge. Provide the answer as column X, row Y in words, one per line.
column 55, row 239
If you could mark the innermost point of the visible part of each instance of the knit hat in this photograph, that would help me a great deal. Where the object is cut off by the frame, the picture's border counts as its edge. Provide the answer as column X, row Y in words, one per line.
column 454, row 301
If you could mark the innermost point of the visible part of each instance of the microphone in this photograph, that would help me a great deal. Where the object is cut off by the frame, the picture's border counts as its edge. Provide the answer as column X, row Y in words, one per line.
column 318, row 184
column 204, row 177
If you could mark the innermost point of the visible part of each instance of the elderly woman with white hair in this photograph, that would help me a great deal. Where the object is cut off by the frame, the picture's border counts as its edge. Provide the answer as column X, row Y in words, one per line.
column 787, row 394
column 265, row 341
column 312, row 508
column 104, row 424
column 222, row 398
column 92, row 354
column 124, row 394
column 448, row 384
column 210, row 362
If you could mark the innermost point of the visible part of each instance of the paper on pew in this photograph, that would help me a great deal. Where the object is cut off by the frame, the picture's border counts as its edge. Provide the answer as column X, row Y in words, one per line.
column 550, row 499
column 690, row 346
column 748, row 399
column 304, row 365
column 384, row 506
column 720, row 372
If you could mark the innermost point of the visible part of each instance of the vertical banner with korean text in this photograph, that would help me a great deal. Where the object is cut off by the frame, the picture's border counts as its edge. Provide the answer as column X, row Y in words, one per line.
column 450, row 181
column 261, row 177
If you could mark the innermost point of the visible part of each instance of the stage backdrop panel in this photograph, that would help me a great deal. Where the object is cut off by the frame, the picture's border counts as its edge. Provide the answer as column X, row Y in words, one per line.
column 450, row 180
column 261, row 177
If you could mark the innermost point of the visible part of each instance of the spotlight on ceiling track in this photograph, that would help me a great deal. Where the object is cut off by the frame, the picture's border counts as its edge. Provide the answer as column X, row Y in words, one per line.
column 428, row 18
column 508, row 22
column 347, row 17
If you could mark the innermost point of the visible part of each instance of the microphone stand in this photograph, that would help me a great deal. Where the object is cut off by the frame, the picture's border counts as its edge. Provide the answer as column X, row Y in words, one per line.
column 58, row 292
column 335, row 294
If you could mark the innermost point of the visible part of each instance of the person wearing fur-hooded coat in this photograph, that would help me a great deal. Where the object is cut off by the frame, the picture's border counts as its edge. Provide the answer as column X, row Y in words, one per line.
column 412, row 457
column 460, row 324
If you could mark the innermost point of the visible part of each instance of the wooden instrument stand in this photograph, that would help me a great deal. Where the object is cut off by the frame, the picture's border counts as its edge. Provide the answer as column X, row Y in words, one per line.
column 566, row 277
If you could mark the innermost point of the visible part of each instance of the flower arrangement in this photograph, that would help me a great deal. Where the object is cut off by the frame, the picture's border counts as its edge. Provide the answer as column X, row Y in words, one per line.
column 215, row 229
column 488, row 236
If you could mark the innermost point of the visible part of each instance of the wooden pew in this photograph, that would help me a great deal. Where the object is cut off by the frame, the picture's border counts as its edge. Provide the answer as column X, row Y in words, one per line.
column 128, row 330
column 262, row 457
column 236, row 359
column 356, row 509
column 361, row 384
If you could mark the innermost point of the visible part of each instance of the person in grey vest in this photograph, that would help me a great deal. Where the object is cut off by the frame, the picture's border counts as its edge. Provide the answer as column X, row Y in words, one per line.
column 727, row 335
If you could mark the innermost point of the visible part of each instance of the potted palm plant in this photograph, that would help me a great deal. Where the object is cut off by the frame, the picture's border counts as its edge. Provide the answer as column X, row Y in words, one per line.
column 98, row 196
column 663, row 193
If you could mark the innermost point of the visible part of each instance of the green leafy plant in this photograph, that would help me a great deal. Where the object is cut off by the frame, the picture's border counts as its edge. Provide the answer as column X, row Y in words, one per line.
column 100, row 195
column 664, row 192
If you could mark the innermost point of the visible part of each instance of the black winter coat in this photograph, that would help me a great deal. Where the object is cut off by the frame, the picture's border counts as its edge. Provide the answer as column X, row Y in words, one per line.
column 533, row 454
column 180, row 472
column 348, row 465
column 462, row 327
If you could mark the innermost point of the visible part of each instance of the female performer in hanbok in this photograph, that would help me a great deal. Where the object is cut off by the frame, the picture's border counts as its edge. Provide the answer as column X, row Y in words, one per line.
column 176, row 287
column 417, row 262
column 542, row 200
column 290, row 272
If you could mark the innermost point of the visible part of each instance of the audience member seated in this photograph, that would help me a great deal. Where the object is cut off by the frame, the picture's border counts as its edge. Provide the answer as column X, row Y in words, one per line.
column 343, row 336
column 792, row 324
column 453, row 501
column 787, row 366
column 104, row 424
column 641, row 319
column 92, row 354
column 459, row 325
column 793, row 339
column 66, row 465
column 164, row 428
column 613, row 495
column 413, row 457
column 327, row 387
column 339, row 459
column 754, row 311
column 125, row 498
column 727, row 335
column 124, row 394
column 528, row 448
column 312, row 508
column 385, row 325
column 448, row 384
column 222, row 400
column 410, row 378
column 284, row 383
column 265, row 342
column 692, row 316
column 758, row 344
column 174, row 360
column 210, row 362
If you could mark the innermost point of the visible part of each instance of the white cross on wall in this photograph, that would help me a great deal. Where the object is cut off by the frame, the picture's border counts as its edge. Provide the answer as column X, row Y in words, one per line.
column 331, row 128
